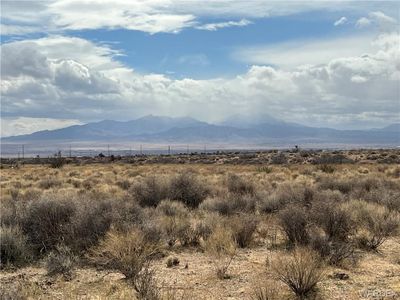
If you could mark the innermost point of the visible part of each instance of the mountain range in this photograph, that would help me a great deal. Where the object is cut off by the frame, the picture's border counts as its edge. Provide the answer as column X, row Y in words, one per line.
column 236, row 130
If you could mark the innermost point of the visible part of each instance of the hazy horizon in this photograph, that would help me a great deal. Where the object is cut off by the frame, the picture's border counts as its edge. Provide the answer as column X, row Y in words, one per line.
column 331, row 64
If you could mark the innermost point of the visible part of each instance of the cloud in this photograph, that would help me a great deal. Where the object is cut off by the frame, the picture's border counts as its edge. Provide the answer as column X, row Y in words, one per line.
column 378, row 18
column 22, row 125
column 341, row 21
column 43, row 78
column 194, row 59
column 363, row 22
column 154, row 16
column 147, row 16
column 382, row 18
column 215, row 26
column 302, row 52
column 17, row 29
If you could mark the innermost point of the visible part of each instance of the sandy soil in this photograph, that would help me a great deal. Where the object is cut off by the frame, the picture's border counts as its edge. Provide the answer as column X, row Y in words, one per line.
column 376, row 276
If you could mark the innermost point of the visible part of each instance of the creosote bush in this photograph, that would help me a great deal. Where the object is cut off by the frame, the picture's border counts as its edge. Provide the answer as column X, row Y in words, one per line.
column 150, row 191
column 333, row 219
column 301, row 271
column 92, row 220
column 375, row 223
column 294, row 222
column 333, row 252
column 14, row 249
column 47, row 221
column 238, row 185
column 187, row 189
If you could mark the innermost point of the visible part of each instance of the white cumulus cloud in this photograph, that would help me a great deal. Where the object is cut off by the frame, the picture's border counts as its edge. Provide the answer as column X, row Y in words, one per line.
column 43, row 79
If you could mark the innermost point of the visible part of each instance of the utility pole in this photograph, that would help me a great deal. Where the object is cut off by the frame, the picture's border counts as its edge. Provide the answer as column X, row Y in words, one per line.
column 141, row 149
column 169, row 150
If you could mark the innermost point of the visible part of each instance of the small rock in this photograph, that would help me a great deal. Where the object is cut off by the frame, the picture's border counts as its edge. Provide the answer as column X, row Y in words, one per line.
column 341, row 276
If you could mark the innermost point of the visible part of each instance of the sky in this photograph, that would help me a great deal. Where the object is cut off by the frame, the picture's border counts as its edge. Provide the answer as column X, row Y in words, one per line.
column 319, row 63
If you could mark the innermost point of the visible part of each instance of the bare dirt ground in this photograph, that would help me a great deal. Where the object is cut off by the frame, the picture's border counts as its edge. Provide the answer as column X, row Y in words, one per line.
column 376, row 276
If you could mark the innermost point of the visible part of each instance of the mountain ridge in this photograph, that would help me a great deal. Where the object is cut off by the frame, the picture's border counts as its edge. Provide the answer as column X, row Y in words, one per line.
column 185, row 129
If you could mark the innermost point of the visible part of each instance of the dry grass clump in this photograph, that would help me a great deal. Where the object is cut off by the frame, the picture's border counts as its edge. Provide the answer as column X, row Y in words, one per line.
column 375, row 223
column 124, row 184
column 285, row 194
column 301, row 271
column 49, row 183
column 266, row 291
column 326, row 168
column 222, row 248
column 60, row 261
column 172, row 208
column 333, row 252
column 333, row 183
column 129, row 253
column 243, row 228
column 176, row 228
column 14, row 249
column 229, row 204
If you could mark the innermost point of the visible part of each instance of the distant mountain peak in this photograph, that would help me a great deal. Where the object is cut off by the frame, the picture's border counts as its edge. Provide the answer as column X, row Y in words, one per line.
column 238, row 129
